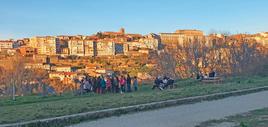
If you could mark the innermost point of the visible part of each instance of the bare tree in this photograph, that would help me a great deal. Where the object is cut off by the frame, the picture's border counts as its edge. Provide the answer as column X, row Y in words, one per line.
column 14, row 73
column 228, row 55
column 41, row 76
column 166, row 64
column 15, row 76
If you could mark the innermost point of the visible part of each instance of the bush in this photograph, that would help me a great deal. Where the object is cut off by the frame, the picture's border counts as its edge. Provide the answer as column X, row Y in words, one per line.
column 242, row 124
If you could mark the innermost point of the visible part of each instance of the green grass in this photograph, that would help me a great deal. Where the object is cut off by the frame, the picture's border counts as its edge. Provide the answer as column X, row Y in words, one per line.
column 256, row 118
column 35, row 107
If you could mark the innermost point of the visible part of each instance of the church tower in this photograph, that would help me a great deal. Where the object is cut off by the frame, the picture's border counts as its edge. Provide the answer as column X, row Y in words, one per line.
column 122, row 31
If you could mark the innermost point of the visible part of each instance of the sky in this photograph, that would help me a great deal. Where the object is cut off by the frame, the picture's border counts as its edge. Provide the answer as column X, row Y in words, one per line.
column 27, row 18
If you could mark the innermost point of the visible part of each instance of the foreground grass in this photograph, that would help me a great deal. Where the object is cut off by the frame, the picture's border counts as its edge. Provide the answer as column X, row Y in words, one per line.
column 256, row 118
column 36, row 107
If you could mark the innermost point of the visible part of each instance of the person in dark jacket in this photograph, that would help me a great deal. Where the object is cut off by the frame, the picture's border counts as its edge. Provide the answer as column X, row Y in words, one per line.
column 98, row 84
column 157, row 83
column 128, row 83
column 103, row 85
column 117, row 86
column 113, row 82
column 94, row 84
column 212, row 74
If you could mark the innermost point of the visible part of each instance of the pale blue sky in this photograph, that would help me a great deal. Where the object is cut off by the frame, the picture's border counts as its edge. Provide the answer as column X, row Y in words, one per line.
column 26, row 18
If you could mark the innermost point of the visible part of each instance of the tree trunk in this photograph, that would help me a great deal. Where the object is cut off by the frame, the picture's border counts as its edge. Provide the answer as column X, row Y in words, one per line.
column 13, row 92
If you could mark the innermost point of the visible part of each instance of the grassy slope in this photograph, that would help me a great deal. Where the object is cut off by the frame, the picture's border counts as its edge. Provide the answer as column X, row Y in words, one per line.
column 36, row 107
column 256, row 118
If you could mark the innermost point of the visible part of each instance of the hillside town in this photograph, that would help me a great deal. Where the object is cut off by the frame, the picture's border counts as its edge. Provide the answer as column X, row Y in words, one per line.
column 134, row 63
column 67, row 57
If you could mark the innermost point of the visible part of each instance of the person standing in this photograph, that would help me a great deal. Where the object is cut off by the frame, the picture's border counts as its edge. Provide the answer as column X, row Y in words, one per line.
column 94, row 84
column 103, row 85
column 135, row 83
column 86, row 85
column 98, row 84
column 108, row 84
column 113, row 83
column 122, row 83
column 128, row 83
column 82, row 86
column 117, row 86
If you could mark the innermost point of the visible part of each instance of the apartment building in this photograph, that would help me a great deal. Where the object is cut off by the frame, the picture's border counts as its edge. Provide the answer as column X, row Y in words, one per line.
column 8, row 44
column 90, row 48
column 76, row 47
column 47, row 45
column 105, row 48
column 80, row 47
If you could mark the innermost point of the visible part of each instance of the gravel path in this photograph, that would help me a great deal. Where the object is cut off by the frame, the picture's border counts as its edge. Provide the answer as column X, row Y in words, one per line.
column 185, row 115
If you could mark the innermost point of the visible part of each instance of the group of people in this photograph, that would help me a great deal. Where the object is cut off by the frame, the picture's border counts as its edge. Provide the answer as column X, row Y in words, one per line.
column 211, row 75
column 163, row 83
column 108, row 83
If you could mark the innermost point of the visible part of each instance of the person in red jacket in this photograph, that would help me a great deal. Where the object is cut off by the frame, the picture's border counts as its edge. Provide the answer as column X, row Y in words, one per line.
column 122, row 83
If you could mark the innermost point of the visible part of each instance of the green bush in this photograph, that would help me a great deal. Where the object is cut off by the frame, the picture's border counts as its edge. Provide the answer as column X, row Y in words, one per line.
column 242, row 124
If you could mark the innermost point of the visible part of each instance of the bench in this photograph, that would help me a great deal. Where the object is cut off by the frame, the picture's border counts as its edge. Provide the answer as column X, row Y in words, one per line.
column 212, row 80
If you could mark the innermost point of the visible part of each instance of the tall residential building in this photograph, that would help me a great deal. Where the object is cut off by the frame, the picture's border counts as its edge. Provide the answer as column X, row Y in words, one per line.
column 105, row 48
column 80, row 47
column 46, row 45
column 76, row 47
column 90, row 48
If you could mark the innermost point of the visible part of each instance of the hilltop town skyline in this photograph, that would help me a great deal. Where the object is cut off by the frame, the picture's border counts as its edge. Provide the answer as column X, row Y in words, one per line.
column 212, row 31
